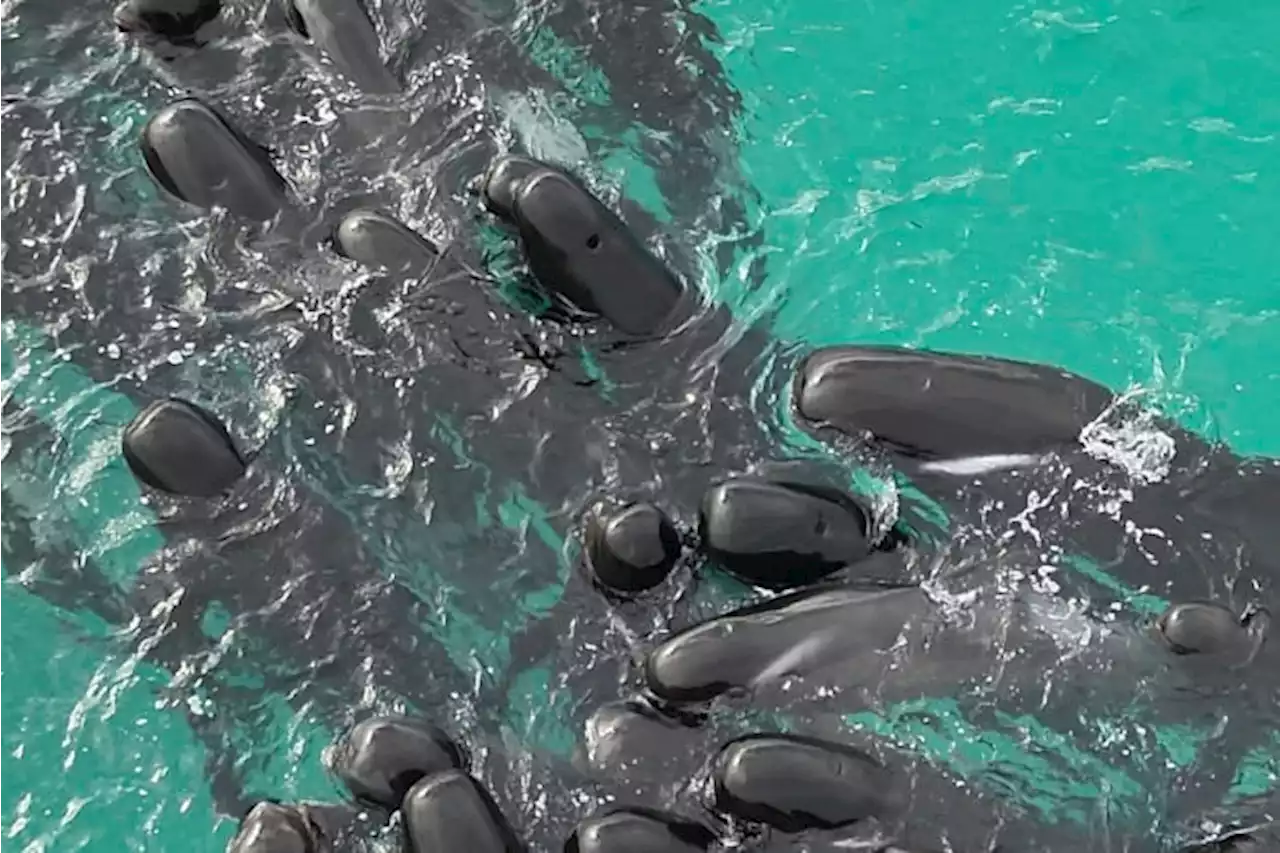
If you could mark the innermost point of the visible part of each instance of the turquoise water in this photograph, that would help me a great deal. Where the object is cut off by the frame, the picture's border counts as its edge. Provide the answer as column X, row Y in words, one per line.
column 1093, row 186
column 1088, row 185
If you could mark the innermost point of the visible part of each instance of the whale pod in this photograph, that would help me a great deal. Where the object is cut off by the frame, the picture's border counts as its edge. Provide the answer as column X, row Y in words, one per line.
column 377, row 240
column 795, row 783
column 779, row 535
column 345, row 32
column 199, row 158
column 791, row 635
column 936, row 406
column 452, row 811
column 275, row 828
column 581, row 251
column 177, row 447
column 176, row 20
column 381, row 758
column 639, row 830
column 632, row 550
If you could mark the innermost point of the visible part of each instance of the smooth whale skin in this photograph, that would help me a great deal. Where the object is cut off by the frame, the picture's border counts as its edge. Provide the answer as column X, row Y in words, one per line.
column 794, row 783
column 632, row 740
column 1243, row 496
column 934, row 406
column 639, row 830
column 882, row 642
column 178, row 447
column 176, row 20
column 633, row 549
column 452, row 811
column 375, row 239
column 199, row 158
column 271, row 827
column 381, row 758
column 1213, row 631
column 791, row 635
column 781, row 536
column 345, row 32
column 582, row 251
column 502, row 183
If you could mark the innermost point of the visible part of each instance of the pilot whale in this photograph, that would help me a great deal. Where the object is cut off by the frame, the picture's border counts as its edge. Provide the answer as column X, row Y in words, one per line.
column 1003, row 443
column 191, row 124
column 661, row 420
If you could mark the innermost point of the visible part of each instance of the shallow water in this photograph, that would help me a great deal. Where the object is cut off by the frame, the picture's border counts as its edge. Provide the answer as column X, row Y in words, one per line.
column 1090, row 186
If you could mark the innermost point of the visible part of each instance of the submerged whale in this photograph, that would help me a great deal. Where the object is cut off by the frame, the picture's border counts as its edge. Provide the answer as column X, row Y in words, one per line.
column 190, row 146
column 737, row 437
column 344, row 32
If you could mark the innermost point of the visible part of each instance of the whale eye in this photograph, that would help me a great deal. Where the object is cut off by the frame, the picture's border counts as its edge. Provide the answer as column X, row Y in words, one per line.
column 593, row 242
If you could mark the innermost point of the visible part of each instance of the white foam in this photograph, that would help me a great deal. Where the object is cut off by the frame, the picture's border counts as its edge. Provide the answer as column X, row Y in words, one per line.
column 967, row 466
column 1130, row 440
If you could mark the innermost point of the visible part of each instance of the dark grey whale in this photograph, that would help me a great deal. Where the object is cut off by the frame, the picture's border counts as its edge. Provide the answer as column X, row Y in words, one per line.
column 794, row 783
column 451, row 811
column 639, row 465
column 381, row 758
column 178, row 447
column 246, row 156
column 199, row 158
column 343, row 30
column 937, row 408
column 981, row 434
column 886, row 643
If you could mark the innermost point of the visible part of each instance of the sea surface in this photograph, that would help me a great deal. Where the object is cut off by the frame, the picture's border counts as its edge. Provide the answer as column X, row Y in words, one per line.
column 1091, row 185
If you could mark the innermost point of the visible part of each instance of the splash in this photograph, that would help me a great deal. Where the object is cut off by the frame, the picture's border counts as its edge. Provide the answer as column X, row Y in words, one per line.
column 1129, row 437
